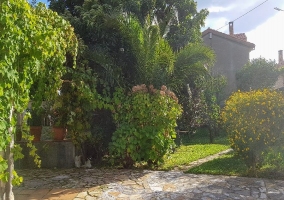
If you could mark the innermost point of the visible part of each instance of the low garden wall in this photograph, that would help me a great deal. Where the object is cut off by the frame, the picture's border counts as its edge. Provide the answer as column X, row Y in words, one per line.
column 53, row 154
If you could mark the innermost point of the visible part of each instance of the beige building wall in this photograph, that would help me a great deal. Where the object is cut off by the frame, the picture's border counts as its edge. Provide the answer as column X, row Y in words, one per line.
column 231, row 55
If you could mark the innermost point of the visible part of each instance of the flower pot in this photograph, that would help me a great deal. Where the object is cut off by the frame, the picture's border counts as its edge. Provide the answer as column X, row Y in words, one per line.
column 36, row 132
column 59, row 133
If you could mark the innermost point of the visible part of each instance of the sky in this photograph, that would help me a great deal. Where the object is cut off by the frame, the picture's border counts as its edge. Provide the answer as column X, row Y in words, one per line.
column 263, row 26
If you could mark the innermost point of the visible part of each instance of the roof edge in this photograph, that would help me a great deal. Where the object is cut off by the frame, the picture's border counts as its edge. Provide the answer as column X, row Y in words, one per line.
column 224, row 35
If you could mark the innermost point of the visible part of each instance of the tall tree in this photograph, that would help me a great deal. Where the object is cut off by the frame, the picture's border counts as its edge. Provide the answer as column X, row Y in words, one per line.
column 99, row 25
column 155, row 58
column 179, row 20
column 34, row 43
column 125, row 51
column 60, row 6
column 192, row 62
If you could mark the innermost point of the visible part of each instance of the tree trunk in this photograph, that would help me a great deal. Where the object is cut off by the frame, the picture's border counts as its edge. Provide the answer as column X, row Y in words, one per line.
column 9, row 157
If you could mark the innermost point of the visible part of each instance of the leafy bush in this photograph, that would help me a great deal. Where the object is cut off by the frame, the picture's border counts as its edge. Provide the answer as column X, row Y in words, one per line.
column 258, row 73
column 275, row 158
column 254, row 121
column 146, row 121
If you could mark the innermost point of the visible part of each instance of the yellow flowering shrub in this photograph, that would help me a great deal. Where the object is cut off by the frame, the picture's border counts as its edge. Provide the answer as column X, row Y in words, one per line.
column 254, row 122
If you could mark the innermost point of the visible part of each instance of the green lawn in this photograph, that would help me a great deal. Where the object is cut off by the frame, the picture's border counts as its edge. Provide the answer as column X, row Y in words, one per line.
column 194, row 148
column 229, row 164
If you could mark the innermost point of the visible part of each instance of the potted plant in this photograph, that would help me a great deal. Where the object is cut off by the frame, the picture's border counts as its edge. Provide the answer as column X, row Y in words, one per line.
column 35, row 123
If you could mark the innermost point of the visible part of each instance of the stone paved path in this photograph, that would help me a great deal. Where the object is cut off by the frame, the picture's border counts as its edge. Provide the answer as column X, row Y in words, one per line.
column 114, row 184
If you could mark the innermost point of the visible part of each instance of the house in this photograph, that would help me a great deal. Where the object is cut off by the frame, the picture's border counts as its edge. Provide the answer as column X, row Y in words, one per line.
column 232, row 53
column 280, row 82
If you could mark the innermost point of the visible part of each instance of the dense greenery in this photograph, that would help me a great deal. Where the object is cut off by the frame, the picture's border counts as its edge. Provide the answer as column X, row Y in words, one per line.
column 146, row 121
column 124, row 51
column 178, row 20
column 258, row 73
column 144, row 42
column 122, row 44
column 34, row 43
column 151, row 42
column 254, row 122
column 198, row 97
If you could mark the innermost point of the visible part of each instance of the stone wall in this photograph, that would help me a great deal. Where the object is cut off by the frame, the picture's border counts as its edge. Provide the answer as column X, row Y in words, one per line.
column 53, row 154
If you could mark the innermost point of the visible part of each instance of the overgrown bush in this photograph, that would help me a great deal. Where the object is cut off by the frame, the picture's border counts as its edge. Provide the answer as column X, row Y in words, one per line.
column 146, row 121
column 254, row 121
column 275, row 158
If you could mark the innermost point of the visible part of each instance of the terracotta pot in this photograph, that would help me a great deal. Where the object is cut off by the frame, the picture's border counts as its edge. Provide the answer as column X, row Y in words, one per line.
column 36, row 132
column 59, row 133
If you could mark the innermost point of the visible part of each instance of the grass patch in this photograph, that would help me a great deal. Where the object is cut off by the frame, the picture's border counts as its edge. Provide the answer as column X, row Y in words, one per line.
column 189, row 153
column 231, row 165
column 227, row 164
column 194, row 148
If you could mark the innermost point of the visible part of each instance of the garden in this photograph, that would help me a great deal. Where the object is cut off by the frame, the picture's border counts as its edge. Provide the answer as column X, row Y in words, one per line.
column 128, row 92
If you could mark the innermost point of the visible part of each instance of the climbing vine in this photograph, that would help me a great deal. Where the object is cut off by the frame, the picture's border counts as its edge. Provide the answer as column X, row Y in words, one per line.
column 34, row 42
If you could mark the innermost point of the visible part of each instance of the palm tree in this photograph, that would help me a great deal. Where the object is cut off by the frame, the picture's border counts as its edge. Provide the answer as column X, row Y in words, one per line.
column 155, row 58
column 192, row 62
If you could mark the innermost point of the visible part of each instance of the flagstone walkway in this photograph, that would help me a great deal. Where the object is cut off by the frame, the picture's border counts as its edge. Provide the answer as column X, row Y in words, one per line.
column 115, row 184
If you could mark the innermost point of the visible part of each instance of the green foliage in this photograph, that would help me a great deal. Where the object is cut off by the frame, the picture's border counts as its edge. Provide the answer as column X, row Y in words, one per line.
column 196, row 87
column 77, row 101
column 190, row 66
column 17, row 180
column 154, row 56
column 134, row 42
column 146, row 121
column 179, row 21
column 61, row 5
column 185, row 28
column 34, row 42
column 259, row 73
column 147, row 55
column 35, row 118
column 95, row 145
column 108, row 51
column 3, row 168
column 275, row 157
column 254, row 122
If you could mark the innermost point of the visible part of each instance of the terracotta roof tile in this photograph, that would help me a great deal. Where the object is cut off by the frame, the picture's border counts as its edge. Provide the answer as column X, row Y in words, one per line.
column 241, row 36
